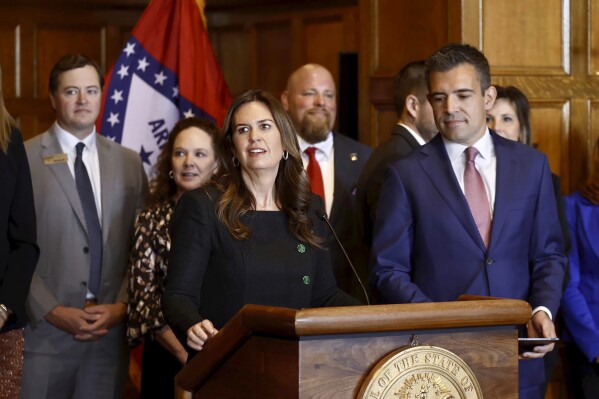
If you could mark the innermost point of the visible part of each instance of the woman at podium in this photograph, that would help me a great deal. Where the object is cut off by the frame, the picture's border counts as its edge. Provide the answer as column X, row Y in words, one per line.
column 251, row 235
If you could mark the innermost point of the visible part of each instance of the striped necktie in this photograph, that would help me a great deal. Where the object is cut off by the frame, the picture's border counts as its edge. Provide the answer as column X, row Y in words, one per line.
column 92, row 222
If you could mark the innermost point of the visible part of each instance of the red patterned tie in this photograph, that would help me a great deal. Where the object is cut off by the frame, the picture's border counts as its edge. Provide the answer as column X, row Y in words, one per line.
column 476, row 195
column 314, row 173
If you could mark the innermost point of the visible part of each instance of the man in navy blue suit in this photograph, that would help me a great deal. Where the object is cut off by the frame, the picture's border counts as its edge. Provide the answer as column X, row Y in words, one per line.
column 428, row 245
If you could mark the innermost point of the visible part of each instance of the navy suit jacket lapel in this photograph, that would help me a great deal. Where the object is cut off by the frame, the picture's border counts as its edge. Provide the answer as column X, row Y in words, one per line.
column 51, row 146
column 438, row 168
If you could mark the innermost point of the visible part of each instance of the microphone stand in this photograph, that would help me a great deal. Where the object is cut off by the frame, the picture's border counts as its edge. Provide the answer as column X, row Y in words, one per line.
column 323, row 216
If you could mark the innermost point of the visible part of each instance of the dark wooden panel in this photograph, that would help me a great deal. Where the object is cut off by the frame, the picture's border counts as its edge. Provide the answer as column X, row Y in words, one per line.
column 35, row 33
column 324, row 52
column 593, row 44
column 262, row 368
column 232, row 48
column 509, row 53
column 272, row 5
column 408, row 31
column 273, row 56
column 33, row 115
column 54, row 42
column 393, row 34
column 550, row 132
column 258, row 47
column 8, row 59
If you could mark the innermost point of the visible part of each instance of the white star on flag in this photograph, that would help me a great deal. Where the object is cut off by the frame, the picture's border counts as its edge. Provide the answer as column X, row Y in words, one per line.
column 117, row 96
column 167, row 70
column 113, row 119
column 160, row 78
column 142, row 64
column 123, row 71
column 129, row 49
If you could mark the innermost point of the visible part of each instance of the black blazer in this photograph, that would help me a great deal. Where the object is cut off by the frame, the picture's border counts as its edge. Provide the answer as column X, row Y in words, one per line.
column 211, row 275
column 350, row 158
column 18, row 249
column 400, row 144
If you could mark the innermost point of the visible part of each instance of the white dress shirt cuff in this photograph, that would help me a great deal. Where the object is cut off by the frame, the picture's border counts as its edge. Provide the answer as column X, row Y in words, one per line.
column 544, row 309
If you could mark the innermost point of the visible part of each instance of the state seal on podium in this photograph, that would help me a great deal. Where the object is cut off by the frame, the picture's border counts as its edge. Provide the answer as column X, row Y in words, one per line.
column 421, row 372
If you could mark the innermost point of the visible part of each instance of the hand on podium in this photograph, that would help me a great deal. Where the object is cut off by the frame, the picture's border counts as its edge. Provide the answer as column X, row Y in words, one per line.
column 198, row 334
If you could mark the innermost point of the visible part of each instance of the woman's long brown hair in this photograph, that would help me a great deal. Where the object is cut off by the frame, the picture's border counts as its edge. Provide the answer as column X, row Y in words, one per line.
column 292, row 188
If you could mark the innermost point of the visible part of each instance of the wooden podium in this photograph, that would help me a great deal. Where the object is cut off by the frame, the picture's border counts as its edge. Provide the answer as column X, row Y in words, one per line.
column 270, row 352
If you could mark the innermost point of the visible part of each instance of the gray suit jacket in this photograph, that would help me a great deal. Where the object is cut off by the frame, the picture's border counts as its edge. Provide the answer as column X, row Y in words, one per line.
column 63, row 268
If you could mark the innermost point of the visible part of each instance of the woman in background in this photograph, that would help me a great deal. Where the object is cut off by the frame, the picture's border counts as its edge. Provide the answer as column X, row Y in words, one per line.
column 18, row 250
column 253, row 234
column 510, row 118
column 185, row 162
column 510, row 115
column 580, row 303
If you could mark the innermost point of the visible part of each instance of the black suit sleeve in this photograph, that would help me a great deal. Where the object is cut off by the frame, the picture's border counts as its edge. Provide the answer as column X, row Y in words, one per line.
column 23, row 251
column 188, row 259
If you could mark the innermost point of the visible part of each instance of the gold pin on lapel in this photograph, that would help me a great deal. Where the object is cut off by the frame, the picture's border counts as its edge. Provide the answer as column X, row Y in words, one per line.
column 353, row 156
column 56, row 158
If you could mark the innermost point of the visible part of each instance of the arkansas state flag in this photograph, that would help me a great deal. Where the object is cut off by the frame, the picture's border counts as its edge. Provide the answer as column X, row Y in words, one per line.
column 167, row 71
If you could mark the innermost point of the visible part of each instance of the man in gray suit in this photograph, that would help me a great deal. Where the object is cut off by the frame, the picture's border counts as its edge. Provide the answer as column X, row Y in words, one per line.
column 87, row 193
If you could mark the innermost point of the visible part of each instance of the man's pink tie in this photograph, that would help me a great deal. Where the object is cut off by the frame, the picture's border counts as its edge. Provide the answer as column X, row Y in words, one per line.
column 476, row 195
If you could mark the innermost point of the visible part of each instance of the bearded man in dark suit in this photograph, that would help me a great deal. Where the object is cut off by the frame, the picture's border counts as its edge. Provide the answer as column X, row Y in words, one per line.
column 310, row 100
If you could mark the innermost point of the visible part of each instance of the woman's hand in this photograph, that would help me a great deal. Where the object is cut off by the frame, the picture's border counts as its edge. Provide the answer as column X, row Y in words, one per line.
column 167, row 339
column 198, row 334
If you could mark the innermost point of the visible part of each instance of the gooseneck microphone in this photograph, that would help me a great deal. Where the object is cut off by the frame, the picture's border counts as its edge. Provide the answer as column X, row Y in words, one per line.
column 323, row 216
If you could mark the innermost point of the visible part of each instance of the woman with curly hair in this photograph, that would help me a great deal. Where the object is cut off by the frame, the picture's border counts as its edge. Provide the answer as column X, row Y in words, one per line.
column 187, row 159
column 253, row 235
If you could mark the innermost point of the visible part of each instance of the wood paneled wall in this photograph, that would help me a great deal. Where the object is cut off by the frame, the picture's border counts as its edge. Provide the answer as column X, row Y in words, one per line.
column 34, row 34
column 395, row 33
column 547, row 48
column 259, row 46
column 257, row 43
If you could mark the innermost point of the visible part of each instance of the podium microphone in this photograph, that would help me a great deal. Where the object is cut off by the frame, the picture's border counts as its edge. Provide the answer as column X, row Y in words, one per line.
column 323, row 216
